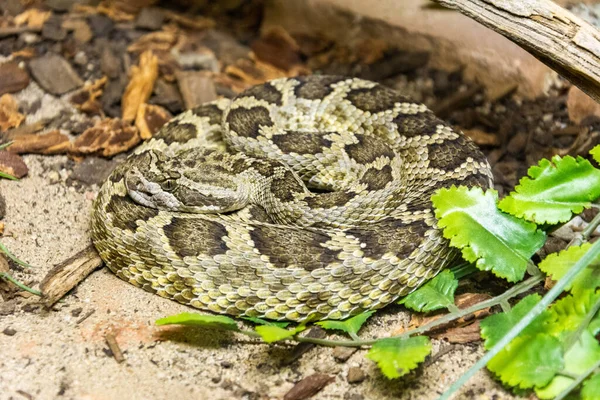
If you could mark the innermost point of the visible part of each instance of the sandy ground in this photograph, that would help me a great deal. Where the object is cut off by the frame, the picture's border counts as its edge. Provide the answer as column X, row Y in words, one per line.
column 54, row 354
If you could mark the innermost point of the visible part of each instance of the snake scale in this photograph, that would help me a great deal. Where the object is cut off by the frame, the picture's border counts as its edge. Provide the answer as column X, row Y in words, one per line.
column 301, row 198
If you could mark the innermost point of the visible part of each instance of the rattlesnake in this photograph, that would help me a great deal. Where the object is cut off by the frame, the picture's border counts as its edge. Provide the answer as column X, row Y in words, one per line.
column 302, row 198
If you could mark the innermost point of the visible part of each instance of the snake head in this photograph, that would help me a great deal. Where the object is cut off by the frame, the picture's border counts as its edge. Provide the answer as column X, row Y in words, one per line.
column 192, row 181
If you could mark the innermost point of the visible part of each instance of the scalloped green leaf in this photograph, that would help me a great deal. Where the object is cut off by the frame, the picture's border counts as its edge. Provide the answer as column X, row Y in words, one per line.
column 581, row 356
column 193, row 319
column 528, row 361
column 558, row 264
column 595, row 152
column 271, row 333
column 397, row 357
column 591, row 388
column 350, row 326
column 499, row 242
column 570, row 311
column 554, row 190
column 435, row 294
column 494, row 327
column 260, row 321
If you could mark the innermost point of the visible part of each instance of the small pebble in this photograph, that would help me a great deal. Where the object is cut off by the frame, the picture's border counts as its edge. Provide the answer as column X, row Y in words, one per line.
column 342, row 354
column 80, row 58
column 356, row 375
column 9, row 331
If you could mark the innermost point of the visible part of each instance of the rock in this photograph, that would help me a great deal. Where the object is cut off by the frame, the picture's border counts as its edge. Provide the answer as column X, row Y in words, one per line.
column 8, row 307
column 202, row 58
column 80, row 58
column 61, row 5
column 342, row 354
column 151, row 18
column 196, row 87
column 12, row 164
column 53, row 30
column 54, row 74
column 2, row 211
column 92, row 170
column 12, row 78
column 110, row 64
column 167, row 95
column 580, row 105
column 356, row 375
column 9, row 331
column 101, row 25
column 11, row 7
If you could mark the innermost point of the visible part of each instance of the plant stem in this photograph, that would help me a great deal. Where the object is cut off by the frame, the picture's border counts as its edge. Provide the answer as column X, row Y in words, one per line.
column 4, row 275
column 513, row 291
column 578, row 381
column 13, row 257
column 583, row 262
column 591, row 227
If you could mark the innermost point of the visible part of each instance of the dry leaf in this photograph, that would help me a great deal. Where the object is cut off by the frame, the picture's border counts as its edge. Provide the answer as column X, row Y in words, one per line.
column 140, row 86
column 34, row 18
column 9, row 113
column 52, row 142
column 86, row 99
column 150, row 118
column 482, row 138
column 255, row 72
column 197, row 22
column 278, row 48
column 107, row 138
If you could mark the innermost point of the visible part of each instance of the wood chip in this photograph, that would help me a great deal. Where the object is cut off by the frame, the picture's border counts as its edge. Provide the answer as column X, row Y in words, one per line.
column 196, row 87
column 196, row 22
column 66, row 275
column 167, row 95
column 87, row 98
column 33, row 18
column 455, row 102
column 150, row 119
column 82, row 33
column 278, row 48
column 150, row 18
column 54, row 74
column 308, row 387
column 52, row 142
column 12, row 164
column 107, row 138
column 156, row 41
column 394, row 64
column 254, row 72
column 140, row 86
column 12, row 78
column 461, row 334
column 111, row 340
column 9, row 113
column 482, row 138
column 110, row 64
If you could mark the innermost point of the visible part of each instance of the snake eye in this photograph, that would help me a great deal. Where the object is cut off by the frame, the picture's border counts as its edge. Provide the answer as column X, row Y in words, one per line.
column 169, row 185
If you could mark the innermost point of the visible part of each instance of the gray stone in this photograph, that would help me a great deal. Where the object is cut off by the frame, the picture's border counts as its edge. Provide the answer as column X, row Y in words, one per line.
column 54, row 74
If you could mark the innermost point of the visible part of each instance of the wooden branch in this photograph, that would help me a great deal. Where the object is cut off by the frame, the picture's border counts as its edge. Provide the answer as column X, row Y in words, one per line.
column 555, row 36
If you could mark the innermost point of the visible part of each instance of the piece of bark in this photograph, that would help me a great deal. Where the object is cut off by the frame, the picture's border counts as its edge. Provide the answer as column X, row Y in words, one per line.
column 196, row 22
column 308, row 387
column 140, row 86
column 394, row 64
column 558, row 38
column 54, row 74
column 154, row 41
column 461, row 334
column 277, row 48
column 107, row 138
column 66, row 275
column 52, row 142
column 482, row 138
column 82, row 33
column 9, row 113
column 12, row 164
column 150, row 18
column 87, row 98
column 315, row 332
column 12, row 78
column 34, row 18
column 167, row 95
column 196, row 87
column 150, row 119
column 255, row 72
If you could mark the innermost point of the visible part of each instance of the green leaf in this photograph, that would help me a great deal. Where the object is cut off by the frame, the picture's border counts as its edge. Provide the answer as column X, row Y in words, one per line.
column 435, row 294
column 595, row 152
column 591, row 387
column 494, row 327
column 554, row 190
column 497, row 241
column 569, row 312
column 528, row 361
column 271, row 333
column 193, row 319
column 260, row 321
column 350, row 326
column 557, row 264
column 397, row 357
column 583, row 355
column 8, row 176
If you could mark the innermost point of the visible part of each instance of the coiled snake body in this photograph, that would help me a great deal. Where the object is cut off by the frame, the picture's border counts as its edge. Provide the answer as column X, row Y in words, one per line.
column 301, row 198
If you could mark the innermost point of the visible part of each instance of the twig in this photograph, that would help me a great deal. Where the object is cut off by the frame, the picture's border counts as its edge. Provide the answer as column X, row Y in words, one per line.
column 111, row 340
column 86, row 316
